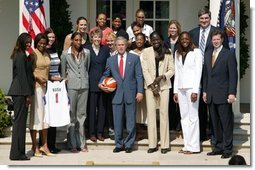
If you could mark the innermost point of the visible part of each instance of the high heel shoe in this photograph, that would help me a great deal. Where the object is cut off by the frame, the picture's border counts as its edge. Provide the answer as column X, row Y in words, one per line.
column 38, row 154
column 46, row 153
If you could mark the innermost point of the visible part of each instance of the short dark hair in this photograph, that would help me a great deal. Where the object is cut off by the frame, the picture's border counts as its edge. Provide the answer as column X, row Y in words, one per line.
column 204, row 11
column 74, row 34
column 141, row 34
column 237, row 160
column 139, row 10
column 115, row 16
column 218, row 32
column 135, row 24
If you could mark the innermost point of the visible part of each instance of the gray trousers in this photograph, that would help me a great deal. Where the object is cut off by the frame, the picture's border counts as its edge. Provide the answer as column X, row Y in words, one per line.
column 78, row 114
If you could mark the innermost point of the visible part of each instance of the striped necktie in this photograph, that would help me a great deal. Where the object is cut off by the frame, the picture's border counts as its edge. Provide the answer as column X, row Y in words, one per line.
column 202, row 42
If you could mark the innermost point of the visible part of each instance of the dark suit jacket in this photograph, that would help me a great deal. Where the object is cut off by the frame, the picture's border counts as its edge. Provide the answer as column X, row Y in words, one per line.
column 22, row 79
column 168, row 45
column 132, row 83
column 195, row 34
column 97, row 66
column 220, row 80
column 123, row 33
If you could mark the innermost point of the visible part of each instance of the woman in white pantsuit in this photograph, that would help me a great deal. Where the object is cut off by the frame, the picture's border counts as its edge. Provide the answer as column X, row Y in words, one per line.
column 188, row 72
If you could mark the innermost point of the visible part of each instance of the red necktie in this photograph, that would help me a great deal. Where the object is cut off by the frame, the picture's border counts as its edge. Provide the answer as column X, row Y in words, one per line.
column 121, row 66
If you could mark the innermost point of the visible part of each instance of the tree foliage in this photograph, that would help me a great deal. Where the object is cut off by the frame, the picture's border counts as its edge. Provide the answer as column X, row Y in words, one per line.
column 60, row 20
column 244, row 48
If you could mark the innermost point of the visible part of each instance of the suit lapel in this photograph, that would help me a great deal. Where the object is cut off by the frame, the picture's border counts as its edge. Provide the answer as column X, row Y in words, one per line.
column 127, row 64
column 219, row 57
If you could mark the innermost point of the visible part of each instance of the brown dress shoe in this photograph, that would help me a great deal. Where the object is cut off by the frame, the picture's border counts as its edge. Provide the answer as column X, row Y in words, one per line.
column 93, row 138
column 100, row 137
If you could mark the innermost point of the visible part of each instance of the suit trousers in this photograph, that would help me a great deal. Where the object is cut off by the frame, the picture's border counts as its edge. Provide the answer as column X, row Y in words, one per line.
column 129, row 109
column 78, row 114
column 96, row 116
column 151, row 103
column 222, row 123
column 189, row 120
column 19, row 127
column 51, row 137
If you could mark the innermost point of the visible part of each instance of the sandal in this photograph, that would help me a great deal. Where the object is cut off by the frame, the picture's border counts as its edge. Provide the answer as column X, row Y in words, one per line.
column 188, row 152
column 181, row 151
column 85, row 149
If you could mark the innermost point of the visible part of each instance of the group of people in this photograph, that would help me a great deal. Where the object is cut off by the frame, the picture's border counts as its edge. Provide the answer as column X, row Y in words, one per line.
column 177, row 78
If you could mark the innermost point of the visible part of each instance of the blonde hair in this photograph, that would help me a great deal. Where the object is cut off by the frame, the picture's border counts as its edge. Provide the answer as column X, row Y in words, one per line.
column 177, row 24
column 110, row 34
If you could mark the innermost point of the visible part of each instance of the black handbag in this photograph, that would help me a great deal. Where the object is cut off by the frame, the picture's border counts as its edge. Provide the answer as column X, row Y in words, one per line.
column 10, row 104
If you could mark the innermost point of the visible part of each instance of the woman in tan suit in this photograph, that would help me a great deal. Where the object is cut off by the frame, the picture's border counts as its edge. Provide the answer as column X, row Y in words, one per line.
column 158, row 68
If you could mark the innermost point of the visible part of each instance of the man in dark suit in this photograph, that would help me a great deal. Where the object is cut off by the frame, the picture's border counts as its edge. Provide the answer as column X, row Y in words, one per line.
column 219, row 92
column 201, row 37
column 126, row 69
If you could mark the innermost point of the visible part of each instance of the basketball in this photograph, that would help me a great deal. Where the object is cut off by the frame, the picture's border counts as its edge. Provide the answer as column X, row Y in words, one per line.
column 110, row 83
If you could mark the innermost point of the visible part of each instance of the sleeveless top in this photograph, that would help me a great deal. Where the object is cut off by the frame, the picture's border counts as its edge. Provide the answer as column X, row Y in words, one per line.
column 56, row 104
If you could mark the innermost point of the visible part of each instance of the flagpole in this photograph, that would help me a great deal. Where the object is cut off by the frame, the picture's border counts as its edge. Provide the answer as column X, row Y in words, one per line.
column 236, row 105
column 20, row 16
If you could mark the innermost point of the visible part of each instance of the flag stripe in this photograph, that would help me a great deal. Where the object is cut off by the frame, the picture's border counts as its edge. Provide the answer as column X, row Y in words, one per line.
column 33, row 17
column 38, row 22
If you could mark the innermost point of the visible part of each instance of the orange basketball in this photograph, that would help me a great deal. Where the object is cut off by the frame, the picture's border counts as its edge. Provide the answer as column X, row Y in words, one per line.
column 110, row 83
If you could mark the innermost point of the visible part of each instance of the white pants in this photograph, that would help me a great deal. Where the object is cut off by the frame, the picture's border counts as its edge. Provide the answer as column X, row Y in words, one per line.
column 189, row 120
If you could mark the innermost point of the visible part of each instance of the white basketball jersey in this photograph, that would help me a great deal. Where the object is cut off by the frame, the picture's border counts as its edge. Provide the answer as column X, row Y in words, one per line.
column 56, row 104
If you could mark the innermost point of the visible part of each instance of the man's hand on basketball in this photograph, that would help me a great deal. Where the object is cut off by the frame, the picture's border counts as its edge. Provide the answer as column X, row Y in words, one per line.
column 102, row 87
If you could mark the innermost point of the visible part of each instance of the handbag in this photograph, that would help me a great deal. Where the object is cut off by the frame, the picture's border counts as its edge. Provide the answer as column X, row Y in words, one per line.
column 10, row 104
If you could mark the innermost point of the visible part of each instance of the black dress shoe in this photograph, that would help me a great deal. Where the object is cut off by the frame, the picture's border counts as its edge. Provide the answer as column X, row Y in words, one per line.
column 226, row 155
column 214, row 153
column 151, row 150
column 116, row 150
column 22, row 158
column 164, row 151
column 55, row 150
column 128, row 150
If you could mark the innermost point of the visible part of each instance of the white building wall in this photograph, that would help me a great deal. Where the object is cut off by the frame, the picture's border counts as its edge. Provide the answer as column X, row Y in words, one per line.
column 187, row 11
column 78, row 8
column 9, row 31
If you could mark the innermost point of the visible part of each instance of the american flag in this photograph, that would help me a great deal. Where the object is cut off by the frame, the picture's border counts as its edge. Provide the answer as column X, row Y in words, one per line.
column 226, row 21
column 33, row 17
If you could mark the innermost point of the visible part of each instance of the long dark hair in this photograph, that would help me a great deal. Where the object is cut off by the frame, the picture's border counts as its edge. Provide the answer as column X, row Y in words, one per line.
column 73, row 36
column 181, row 50
column 20, row 46
column 53, row 47
column 162, row 50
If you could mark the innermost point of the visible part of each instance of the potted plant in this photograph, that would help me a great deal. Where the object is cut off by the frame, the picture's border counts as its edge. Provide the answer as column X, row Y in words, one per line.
column 5, row 117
